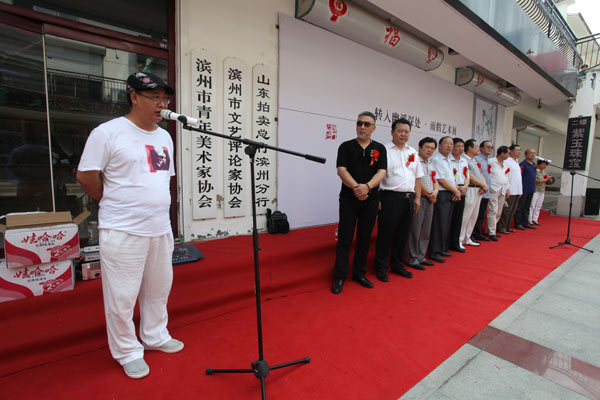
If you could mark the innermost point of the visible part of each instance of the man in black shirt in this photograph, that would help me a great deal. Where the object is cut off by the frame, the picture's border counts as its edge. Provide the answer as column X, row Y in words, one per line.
column 361, row 165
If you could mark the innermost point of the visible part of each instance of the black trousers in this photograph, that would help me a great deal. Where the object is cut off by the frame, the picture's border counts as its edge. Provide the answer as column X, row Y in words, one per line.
column 440, row 226
column 456, row 223
column 480, row 217
column 393, row 224
column 360, row 215
column 522, row 214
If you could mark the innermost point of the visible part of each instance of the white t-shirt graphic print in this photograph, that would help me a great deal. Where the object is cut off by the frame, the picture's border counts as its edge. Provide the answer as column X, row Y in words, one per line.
column 137, row 166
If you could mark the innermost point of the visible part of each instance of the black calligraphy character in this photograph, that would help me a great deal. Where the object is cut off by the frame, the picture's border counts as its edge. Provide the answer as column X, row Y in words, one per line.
column 261, row 80
column 203, row 65
column 234, row 74
column 235, row 174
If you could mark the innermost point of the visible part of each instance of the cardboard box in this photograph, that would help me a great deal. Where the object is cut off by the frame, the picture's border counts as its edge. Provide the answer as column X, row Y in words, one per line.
column 90, row 270
column 35, row 280
column 38, row 238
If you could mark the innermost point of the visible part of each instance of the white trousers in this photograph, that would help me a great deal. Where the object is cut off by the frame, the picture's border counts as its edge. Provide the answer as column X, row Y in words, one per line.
column 536, row 206
column 472, row 200
column 494, row 208
column 135, row 268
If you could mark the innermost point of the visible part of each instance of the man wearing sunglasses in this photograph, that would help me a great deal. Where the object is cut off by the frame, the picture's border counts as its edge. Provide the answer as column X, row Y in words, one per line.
column 126, row 165
column 361, row 165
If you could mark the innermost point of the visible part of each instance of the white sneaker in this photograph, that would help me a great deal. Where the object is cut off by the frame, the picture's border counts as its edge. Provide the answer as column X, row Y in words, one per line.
column 136, row 369
column 172, row 346
column 469, row 242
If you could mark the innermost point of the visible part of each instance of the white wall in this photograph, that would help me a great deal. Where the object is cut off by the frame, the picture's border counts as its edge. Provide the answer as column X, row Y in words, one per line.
column 342, row 79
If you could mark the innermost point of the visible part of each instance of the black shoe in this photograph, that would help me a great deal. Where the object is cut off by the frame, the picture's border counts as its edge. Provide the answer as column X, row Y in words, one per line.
column 336, row 288
column 479, row 239
column 362, row 281
column 498, row 236
column 504, row 231
column 427, row 263
column 494, row 238
column 520, row 227
column 458, row 249
column 529, row 226
column 402, row 272
column 416, row 266
column 382, row 276
column 437, row 259
column 446, row 254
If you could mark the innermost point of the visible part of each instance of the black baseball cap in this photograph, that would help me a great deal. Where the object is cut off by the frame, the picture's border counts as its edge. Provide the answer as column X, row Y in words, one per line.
column 146, row 81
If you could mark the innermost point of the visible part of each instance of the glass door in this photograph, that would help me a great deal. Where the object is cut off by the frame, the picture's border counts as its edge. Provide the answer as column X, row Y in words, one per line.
column 25, row 175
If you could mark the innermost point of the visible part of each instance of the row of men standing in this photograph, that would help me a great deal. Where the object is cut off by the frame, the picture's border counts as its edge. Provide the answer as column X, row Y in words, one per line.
column 423, row 203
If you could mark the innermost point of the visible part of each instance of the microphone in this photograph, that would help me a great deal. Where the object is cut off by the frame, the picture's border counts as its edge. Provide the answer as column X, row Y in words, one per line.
column 543, row 159
column 168, row 114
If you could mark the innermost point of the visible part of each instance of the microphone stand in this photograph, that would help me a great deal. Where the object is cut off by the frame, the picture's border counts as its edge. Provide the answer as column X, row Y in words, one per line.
column 568, row 239
column 260, row 368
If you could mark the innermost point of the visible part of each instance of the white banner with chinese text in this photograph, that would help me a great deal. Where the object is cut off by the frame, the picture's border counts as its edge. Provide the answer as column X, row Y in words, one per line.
column 204, row 147
column 264, row 91
column 236, row 100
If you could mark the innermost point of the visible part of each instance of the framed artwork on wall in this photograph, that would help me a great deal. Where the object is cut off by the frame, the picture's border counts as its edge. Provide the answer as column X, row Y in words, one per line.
column 484, row 120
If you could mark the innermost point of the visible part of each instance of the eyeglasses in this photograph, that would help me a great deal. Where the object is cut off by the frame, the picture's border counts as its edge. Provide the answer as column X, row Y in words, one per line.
column 157, row 99
column 366, row 124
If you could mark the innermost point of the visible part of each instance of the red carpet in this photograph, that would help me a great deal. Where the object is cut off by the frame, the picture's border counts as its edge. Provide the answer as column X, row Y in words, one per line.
column 364, row 344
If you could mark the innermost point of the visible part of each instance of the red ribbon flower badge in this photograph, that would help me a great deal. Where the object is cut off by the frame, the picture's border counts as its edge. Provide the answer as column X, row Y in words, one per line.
column 507, row 170
column 433, row 176
column 411, row 158
column 465, row 169
column 455, row 171
column 545, row 176
column 489, row 169
column 374, row 157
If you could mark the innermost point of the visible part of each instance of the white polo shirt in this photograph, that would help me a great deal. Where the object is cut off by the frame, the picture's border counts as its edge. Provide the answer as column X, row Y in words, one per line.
column 515, row 182
column 443, row 169
column 402, row 170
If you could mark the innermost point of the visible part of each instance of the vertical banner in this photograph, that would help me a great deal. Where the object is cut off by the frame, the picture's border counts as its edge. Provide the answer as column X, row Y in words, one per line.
column 264, row 90
column 236, row 100
column 578, row 132
column 204, row 107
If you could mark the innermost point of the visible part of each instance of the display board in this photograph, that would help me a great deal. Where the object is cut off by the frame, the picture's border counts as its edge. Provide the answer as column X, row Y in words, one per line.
column 324, row 82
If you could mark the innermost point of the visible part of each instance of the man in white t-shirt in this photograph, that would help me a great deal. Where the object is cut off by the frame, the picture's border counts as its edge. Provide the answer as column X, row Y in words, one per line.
column 126, row 165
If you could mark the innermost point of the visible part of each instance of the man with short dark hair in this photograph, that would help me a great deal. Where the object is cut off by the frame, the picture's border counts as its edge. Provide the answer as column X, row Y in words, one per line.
column 485, row 151
column 515, row 189
column 361, row 165
column 528, row 172
column 420, row 227
column 498, row 189
column 541, row 179
column 400, row 198
column 126, row 165
column 477, row 187
column 460, row 169
column 447, row 196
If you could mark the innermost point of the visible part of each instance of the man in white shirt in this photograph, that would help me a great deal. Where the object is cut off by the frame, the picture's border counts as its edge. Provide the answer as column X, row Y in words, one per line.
column 498, row 188
column 460, row 169
column 126, row 165
column 447, row 196
column 477, row 187
column 515, row 189
column 400, row 197
column 418, row 235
